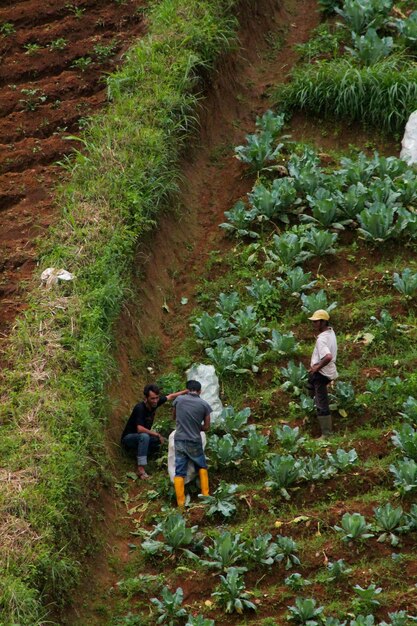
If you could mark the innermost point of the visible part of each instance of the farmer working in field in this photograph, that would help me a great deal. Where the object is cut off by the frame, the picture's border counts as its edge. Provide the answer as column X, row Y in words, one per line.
column 138, row 434
column 323, row 368
column 192, row 415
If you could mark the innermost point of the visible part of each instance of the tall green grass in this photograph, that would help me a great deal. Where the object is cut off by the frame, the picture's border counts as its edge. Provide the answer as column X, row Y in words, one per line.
column 382, row 95
column 53, row 400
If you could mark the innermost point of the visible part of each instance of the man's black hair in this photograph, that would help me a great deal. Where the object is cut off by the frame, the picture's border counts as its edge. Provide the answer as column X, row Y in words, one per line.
column 193, row 385
column 151, row 387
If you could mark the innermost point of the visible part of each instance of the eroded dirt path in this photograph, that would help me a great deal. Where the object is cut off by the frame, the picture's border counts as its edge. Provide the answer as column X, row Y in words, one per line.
column 173, row 258
column 53, row 56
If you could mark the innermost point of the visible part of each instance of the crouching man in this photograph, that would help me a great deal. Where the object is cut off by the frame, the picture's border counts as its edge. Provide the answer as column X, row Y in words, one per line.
column 192, row 415
column 139, row 434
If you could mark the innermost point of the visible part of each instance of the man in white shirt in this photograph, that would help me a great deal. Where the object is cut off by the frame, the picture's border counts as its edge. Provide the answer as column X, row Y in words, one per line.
column 322, row 368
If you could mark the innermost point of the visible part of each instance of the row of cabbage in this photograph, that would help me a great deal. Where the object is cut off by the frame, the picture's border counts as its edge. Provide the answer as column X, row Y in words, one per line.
column 375, row 29
column 230, row 555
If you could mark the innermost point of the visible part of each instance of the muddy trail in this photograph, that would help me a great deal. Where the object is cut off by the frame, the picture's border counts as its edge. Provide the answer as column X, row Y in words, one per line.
column 54, row 58
column 172, row 260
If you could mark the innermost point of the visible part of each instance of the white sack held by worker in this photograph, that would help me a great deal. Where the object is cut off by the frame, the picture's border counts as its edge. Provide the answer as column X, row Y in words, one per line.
column 210, row 389
column 409, row 141
column 191, row 473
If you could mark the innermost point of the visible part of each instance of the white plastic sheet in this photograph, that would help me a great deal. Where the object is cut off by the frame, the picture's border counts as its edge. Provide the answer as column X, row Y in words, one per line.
column 171, row 458
column 52, row 275
column 409, row 141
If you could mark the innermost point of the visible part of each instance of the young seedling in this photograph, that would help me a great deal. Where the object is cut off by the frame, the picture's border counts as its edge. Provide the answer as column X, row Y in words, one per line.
column 367, row 598
column 296, row 582
column 337, row 570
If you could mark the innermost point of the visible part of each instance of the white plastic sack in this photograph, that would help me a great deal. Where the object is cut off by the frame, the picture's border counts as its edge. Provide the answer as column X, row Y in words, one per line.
column 171, row 458
column 206, row 375
column 409, row 141
column 51, row 276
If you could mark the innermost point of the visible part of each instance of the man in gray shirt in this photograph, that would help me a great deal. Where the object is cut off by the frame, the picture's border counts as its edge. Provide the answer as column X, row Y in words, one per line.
column 192, row 415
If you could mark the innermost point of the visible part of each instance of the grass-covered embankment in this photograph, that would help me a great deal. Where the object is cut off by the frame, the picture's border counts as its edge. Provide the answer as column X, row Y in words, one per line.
column 53, row 400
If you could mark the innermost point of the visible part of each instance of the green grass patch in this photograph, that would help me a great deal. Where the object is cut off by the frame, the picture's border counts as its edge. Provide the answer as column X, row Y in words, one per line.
column 54, row 399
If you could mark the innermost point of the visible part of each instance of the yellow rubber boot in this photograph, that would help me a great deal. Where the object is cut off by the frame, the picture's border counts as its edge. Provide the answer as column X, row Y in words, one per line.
column 204, row 481
column 179, row 491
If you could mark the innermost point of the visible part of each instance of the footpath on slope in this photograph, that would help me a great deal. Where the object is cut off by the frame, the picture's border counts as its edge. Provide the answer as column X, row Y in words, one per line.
column 174, row 256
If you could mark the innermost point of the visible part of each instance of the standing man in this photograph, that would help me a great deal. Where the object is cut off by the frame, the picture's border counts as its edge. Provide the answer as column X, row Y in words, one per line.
column 192, row 415
column 138, row 434
column 322, row 368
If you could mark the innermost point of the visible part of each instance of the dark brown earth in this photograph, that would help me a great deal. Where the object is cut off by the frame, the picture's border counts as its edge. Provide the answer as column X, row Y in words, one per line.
column 43, row 99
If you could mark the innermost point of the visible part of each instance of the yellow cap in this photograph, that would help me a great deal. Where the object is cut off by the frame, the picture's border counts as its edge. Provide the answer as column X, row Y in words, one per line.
column 320, row 314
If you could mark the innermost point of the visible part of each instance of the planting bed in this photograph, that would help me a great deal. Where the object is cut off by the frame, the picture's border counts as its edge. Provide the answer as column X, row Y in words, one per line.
column 54, row 57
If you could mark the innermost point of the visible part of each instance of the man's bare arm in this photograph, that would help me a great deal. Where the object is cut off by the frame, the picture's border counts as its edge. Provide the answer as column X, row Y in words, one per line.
column 324, row 361
column 206, row 424
column 172, row 396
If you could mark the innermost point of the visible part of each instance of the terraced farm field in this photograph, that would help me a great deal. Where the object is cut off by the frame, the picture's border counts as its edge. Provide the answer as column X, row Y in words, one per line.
column 54, row 58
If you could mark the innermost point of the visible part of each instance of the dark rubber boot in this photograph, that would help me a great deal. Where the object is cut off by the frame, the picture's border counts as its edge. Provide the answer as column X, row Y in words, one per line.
column 325, row 422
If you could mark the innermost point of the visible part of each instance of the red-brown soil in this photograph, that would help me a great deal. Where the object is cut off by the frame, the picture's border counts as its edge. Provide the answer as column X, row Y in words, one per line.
column 42, row 100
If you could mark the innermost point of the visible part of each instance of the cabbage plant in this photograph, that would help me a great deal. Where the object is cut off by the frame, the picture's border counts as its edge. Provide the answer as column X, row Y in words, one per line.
column 283, row 471
column 406, row 440
column 406, row 284
column 225, row 451
column 169, row 606
column 314, row 301
column 388, row 520
column 296, row 280
column 226, row 551
column 359, row 15
column 296, row 377
column 240, row 220
column 321, row 242
column 282, row 344
column 354, row 527
column 222, row 501
column 289, row 438
column 305, row 611
column 377, row 222
column 405, row 475
column 232, row 594
column 259, row 151
column 233, row 421
column 256, row 444
column 370, row 47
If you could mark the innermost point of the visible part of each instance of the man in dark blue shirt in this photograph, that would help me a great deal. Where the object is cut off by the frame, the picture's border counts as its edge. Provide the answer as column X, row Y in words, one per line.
column 138, row 433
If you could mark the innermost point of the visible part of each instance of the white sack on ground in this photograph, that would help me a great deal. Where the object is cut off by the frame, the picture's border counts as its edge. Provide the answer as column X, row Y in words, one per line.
column 409, row 141
column 206, row 375
column 171, row 459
